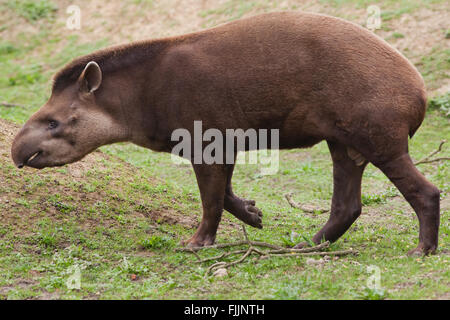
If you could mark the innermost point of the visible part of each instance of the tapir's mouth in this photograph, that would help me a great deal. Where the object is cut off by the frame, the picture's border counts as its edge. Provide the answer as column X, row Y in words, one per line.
column 31, row 158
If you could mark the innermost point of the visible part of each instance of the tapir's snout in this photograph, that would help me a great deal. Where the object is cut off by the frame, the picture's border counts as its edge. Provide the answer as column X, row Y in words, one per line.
column 25, row 150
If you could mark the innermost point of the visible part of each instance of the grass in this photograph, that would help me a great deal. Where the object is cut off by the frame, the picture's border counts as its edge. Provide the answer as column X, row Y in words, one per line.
column 398, row 35
column 27, row 79
column 435, row 67
column 441, row 103
column 232, row 10
column 32, row 10
column 118, row 215
column 394, row 8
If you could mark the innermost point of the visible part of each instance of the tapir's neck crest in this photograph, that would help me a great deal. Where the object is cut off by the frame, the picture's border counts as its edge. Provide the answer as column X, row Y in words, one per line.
column 109, row 59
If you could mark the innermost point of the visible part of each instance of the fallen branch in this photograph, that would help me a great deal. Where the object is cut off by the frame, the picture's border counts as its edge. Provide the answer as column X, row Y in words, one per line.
column 427, row 158
column 321, row 246
column 273, row 251
column 227, row 245
column 219, row 265
column 293, row 204
column 326, row 253
column 11, row 105
column 223, row 255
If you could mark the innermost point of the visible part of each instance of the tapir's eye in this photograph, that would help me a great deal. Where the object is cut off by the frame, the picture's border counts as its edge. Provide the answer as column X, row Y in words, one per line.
column 52, row 124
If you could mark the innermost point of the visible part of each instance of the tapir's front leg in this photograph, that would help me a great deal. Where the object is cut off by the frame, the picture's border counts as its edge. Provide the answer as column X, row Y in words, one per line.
column 212, row 180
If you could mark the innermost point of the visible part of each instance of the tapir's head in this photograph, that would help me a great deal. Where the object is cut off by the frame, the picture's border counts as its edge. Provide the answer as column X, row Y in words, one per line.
column 70, row 125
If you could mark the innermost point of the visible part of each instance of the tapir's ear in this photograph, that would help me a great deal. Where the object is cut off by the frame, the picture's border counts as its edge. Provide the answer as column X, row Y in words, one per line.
column 91, row 77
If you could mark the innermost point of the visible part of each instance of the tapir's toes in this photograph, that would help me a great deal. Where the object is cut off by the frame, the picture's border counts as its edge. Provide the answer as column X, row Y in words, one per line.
column 198, row 241
column 254, row 216
column 250, row 202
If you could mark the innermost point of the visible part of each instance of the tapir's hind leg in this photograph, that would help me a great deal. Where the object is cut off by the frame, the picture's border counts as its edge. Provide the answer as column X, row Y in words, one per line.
column 421, row 195
column 346, row 201
column 242, row 209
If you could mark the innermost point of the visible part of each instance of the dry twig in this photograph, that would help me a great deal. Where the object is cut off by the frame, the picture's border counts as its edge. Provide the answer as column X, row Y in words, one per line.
column 273, row 251
column 296, row 205
column 226, row 245
column 11, row 105
column 427, row 158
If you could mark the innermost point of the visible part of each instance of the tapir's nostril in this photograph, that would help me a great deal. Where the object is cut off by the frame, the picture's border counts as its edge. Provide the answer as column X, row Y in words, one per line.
column 20, row 165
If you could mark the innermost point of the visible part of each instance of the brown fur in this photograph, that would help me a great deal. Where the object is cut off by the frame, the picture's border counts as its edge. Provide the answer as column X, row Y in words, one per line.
column 313, row 77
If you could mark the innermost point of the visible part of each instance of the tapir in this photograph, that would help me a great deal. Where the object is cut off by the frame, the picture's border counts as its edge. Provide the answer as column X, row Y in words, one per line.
column 311, row 76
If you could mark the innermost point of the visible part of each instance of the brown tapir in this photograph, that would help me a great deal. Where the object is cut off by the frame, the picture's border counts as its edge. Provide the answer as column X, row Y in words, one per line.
column 311, row 76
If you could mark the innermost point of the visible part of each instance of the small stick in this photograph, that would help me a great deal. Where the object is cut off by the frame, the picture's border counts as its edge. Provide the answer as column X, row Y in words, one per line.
column 196, row 255
column 321, row 246
column 229, row 264
column 325, row 253
column 246, row 235
column 223, row 255
column 216, row 246
column 11, row 105
column 233, row 244
column 265, row 245
column 293, row 204
column 215, row 265
column 427, row 158
column 261, row 253
column 433, row 160
column 241, row 259
column 276, row 251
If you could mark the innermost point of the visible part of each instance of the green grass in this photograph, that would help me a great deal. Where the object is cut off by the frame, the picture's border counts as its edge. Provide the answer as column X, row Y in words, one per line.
column 157, row 242
column 398, row 35
column 389, row 9
column 404, row 5
column 27, row 80
column 147, row 3
column 435, row 67
column 120, row 220
column 441, row 103
column 32, row 10
column 234, row 9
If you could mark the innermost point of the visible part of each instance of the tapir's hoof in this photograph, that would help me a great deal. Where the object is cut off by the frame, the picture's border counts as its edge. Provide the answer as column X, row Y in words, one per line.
column 254, row 215
column 244, row 210
column 421, row 251
column 198, row 241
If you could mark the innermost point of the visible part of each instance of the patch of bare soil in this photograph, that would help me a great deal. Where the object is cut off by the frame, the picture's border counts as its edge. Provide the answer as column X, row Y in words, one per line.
column 170, row 217
column 22, row 284
column 422, row 30
column 123, row 21
column 59, row 183
column 385, row 215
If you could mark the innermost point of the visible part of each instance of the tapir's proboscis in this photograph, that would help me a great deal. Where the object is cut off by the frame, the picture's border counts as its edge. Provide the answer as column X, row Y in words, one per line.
column 313, row 77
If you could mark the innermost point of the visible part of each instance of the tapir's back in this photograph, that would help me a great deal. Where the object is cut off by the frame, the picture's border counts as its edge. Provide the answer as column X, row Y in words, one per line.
column 290, row 70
